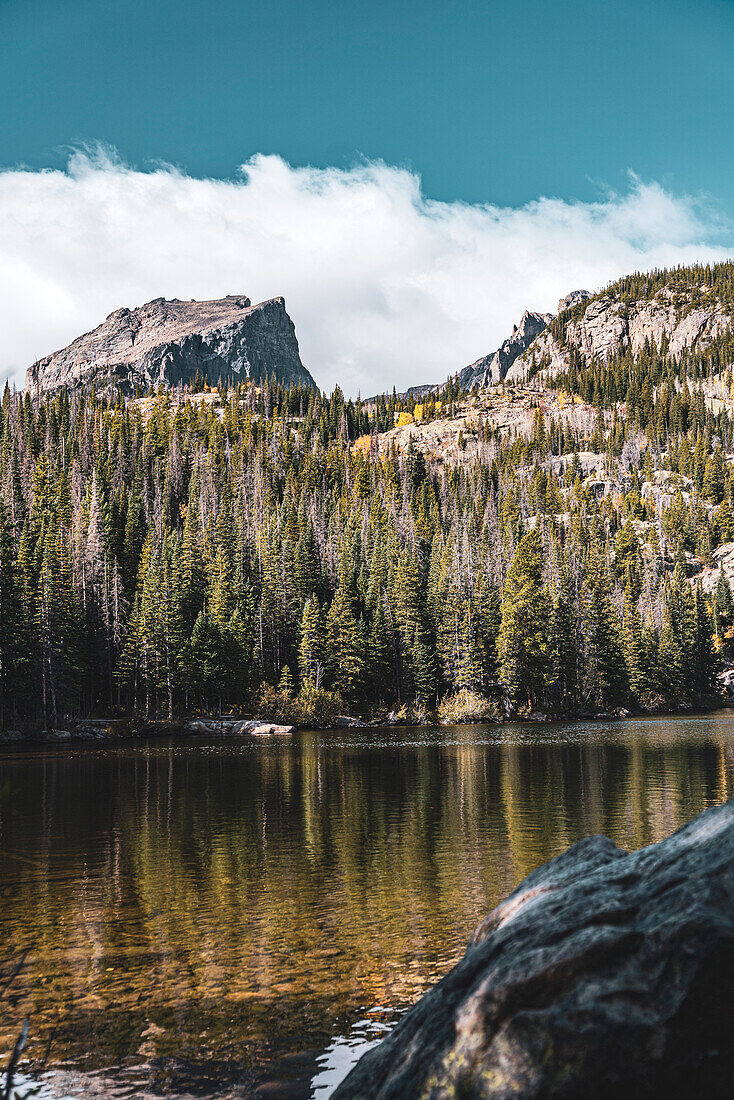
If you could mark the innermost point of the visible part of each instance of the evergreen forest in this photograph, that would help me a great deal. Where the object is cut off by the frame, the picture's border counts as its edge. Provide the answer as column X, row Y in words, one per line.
column 254, row 549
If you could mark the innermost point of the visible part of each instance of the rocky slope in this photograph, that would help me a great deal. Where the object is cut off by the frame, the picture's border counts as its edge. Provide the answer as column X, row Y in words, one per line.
column 603, row 974
column 491, row 369
column 606, row 325
column 455, row 439
column 168, row 342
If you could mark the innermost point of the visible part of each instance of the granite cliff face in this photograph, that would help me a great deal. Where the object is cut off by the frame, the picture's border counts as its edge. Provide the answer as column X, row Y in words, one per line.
column 167, row 342
column 607, row 325
column 491, row 369
column 572, row 299
column 604, row 974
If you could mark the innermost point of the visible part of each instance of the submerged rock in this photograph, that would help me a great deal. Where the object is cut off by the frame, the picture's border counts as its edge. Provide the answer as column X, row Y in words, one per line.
column 604, row 974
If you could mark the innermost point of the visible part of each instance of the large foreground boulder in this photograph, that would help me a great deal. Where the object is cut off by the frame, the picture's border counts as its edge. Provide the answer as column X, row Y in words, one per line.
column 604, row 974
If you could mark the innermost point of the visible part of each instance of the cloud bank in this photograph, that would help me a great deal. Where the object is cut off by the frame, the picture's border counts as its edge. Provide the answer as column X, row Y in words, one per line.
column 385, row 286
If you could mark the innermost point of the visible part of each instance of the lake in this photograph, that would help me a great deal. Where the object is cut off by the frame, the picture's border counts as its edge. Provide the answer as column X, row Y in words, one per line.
column 242, row 918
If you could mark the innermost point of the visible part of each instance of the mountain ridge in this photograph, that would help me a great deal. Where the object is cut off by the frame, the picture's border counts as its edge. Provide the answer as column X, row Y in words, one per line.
column 169, row 341
column 681, row 311
column 491, row 369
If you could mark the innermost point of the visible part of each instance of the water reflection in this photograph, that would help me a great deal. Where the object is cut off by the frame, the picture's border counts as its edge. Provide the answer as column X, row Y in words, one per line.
column 219, row 917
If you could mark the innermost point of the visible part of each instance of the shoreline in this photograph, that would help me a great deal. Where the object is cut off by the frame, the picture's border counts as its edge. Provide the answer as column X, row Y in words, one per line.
column 98, row 731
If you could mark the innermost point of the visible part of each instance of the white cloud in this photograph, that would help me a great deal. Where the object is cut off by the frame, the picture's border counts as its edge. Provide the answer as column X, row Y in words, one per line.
column 385, row 286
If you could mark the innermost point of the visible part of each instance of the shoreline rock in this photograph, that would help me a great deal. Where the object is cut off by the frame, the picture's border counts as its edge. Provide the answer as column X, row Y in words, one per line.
column 604, row 974
column 117, row 729
column 235, row 727
column 128, row 729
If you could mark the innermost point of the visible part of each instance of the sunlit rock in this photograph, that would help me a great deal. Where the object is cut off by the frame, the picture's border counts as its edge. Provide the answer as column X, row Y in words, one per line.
column 603, row 974
column 170, row 342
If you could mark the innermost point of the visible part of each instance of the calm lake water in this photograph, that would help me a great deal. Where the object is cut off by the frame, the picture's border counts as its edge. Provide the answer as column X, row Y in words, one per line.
column 242, row 918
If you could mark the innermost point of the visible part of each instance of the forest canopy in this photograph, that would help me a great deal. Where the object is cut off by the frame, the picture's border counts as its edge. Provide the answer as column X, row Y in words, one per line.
column 205, row 551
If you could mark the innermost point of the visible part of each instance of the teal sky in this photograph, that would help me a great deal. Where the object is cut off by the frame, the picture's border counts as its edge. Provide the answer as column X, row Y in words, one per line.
column 566, row 143
column 488, row 102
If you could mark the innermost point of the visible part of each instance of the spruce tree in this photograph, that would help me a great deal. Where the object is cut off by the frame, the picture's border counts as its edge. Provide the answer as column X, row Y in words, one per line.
column 523, row 648
column 310, row 649
column 344, row 661
column 635, row 653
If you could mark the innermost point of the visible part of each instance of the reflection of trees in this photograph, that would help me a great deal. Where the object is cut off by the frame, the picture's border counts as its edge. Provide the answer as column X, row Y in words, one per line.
column 247, row 890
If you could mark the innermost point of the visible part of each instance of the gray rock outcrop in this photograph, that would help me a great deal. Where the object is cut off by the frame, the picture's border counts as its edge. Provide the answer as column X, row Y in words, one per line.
column 726, row 681
column 235, row 727
column 572, row 300
column 491, row 369
column 722, row 560
column 168, row 342
column 604, row 974
column 608, row 326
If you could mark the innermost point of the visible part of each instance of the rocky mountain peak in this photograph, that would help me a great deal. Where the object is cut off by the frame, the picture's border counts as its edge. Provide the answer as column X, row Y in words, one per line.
column 681, row 317
column 572, row 299
column 494, row 368
column 491, row 369
column 167, row 341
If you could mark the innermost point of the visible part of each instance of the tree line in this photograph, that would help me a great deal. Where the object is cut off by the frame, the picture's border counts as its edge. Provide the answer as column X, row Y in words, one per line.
column 207, row 552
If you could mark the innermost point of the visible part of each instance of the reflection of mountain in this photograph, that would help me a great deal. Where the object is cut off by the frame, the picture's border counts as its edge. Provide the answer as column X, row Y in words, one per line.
column 242, row 902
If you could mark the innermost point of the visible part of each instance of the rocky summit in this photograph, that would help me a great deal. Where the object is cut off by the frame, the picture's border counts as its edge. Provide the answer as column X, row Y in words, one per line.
column 604, row 974
column 676, row 319
column 168, row 342
column 491, row 369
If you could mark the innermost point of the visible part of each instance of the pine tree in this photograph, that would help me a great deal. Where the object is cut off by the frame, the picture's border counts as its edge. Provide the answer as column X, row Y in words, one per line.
column 713, row 479
column 203, row 661
column 564, row 639
column 523, row 648
column 604, row 672
column 705, row 660
column 285, row 685
column 725, row 521
column 15, row 650
column 722, row 596
column 671, row 668
column 682, row 613
column 59, row 618
column 635, row 653
column 344, row 662
column 310, row 652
